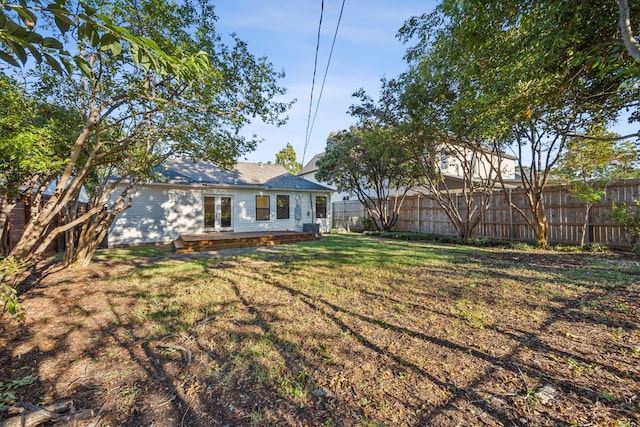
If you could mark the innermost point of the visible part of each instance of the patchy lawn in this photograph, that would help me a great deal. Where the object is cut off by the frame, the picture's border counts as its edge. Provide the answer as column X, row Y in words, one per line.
column 345, row 331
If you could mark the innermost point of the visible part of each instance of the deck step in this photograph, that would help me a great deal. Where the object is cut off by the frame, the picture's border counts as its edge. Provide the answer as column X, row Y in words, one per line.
column 230, row 240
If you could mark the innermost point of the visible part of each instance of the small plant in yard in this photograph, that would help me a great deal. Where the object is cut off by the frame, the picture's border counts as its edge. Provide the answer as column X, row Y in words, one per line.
column 325, row 353
column 578, row 368
column 8, row 294
column 293, row 385
column 532, row 398
column 255, row 417
column 628, row 217
column 8, row 389
column 472, row 314
column 607, row 396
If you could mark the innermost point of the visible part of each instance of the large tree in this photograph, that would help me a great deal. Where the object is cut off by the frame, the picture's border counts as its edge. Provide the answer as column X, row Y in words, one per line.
column 151, row 79
column 371, row 163
column 534, row 75
column 441, row 135
column 372, row 159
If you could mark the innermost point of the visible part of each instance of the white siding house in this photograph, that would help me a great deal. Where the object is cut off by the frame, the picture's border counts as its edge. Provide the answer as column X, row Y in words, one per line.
column 199, row 197
column 481, row 166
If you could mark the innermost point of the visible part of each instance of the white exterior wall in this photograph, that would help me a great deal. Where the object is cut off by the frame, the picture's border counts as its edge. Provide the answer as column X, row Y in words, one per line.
column 160, row 213
column 483, row 167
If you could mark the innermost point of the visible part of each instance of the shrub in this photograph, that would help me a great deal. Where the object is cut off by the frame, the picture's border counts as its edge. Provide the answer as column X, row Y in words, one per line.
column 8, row 294
column 442, row 238
column 628, row 217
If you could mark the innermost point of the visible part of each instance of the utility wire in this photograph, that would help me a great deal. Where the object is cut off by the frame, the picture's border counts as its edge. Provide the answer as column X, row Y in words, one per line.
column 324, row 79
column 313, row 82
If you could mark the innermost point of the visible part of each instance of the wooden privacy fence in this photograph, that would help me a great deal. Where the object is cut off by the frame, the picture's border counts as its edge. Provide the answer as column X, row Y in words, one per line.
column 565, row 215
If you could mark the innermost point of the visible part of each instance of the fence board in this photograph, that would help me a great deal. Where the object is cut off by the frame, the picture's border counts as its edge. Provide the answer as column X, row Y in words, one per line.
column 565, row 215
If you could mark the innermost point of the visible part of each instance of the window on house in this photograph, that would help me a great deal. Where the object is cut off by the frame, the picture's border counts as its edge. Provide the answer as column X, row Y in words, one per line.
column 443, row 161
column 262, row 208
column 321, row 206
column 209, row 212
column 283, row 207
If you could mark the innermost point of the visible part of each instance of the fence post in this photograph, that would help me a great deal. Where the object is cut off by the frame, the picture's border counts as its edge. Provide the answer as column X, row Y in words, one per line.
column 511, row 236
column 418, row 209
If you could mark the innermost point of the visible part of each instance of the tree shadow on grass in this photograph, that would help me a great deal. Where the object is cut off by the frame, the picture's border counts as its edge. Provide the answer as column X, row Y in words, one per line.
column 244, row 363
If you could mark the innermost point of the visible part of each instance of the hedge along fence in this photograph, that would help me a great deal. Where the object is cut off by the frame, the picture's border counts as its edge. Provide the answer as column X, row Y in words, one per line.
column 565, row 215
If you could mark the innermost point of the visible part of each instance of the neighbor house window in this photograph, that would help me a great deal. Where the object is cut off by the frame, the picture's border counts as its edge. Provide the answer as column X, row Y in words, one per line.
column 443, row 161
column 283, row 207
column 209, row 212
column 321, row 206
column 262, row 208
column 473, row 165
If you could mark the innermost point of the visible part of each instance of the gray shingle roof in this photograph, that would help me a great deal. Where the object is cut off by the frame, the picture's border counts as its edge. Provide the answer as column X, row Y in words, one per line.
column 186, row 172
column 311, row 166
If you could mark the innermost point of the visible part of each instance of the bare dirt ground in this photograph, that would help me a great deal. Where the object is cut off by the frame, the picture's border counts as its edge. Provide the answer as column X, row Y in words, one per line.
column 310, row 337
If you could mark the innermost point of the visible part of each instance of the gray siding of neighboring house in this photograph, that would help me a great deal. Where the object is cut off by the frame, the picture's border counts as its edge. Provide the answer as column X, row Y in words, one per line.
column 309, row 171
column 160, row 213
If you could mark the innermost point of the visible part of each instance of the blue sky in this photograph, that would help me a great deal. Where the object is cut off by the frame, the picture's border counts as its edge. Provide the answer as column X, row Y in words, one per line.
column 285, row 31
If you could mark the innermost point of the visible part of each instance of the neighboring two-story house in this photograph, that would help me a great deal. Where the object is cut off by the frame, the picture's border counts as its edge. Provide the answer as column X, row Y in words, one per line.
column 452, row 163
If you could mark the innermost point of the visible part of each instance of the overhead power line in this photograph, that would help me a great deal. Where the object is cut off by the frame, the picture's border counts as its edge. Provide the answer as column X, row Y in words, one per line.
column 313, row 82
column 326, row 70
column 311, row 123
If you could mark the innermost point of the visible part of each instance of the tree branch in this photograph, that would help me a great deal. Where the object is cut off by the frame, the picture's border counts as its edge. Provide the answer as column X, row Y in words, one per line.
column 630, row 42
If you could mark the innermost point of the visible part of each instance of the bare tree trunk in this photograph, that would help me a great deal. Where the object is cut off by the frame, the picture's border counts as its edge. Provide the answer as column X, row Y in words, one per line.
column 95, row 229
column 51, row 235
column 68, row 187
column 630, row 42
column 6, row 208
column 585, row 223
column 542, row 231
column 91, row 235
column 541, row 224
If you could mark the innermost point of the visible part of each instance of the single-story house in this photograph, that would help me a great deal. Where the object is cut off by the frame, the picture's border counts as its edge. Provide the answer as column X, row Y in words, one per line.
column 189, row 198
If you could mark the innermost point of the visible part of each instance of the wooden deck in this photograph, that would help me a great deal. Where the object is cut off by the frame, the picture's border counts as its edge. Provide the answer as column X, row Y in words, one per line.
column 229, row 240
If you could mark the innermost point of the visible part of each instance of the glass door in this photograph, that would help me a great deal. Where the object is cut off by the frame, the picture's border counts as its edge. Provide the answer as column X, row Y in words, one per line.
column 225, row 212
column 218, row 213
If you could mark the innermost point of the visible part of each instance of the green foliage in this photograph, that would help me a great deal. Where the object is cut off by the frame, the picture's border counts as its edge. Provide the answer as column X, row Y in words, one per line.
column 8, row 294
column 8, row 390
column 161, row 85
column 591, row 163
column 32, row 137
column 371, row 159
column 23, row 35
column 287, row 158
column 628, row 217
column 520, row 75
column 442, row 238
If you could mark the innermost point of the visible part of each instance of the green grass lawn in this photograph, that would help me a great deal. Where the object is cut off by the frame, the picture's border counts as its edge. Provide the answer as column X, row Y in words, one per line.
column 357, row 330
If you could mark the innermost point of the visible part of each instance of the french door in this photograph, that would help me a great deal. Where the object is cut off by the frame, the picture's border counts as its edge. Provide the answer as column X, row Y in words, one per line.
column 218, row 213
